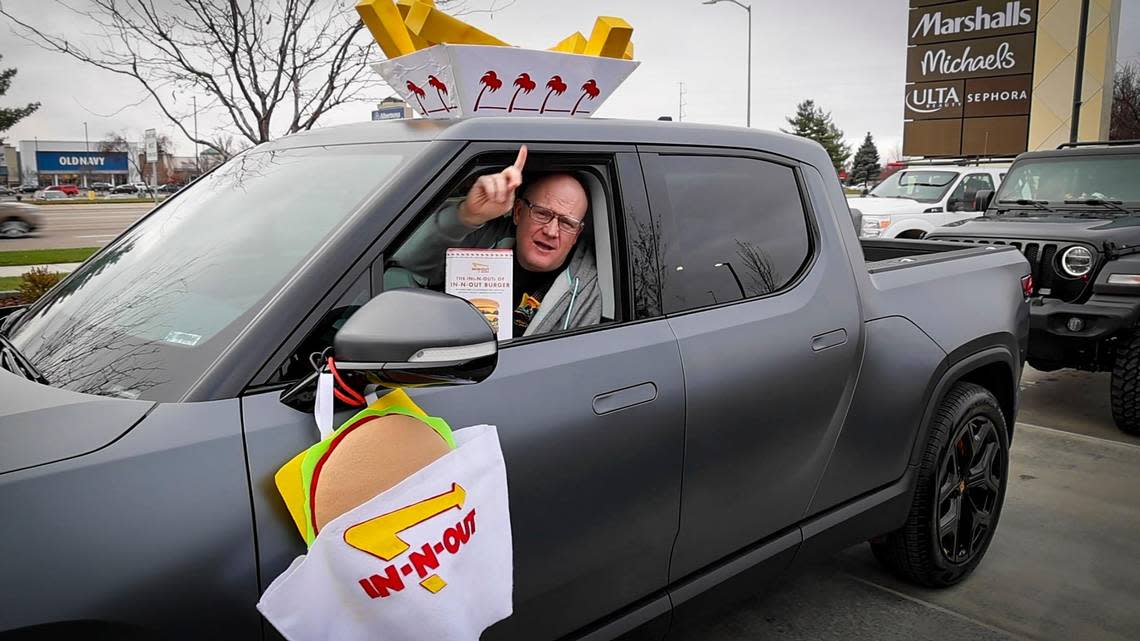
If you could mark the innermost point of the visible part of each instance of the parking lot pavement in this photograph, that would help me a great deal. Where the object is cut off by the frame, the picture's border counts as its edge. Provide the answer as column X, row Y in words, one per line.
column 1072, row 401
column 1064, row 564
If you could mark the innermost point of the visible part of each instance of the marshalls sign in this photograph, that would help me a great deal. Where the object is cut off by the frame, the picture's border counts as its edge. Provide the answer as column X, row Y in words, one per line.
column 969, row 77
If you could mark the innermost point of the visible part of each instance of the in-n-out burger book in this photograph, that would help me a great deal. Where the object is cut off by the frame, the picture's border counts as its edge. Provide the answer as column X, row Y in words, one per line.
column 483, row 277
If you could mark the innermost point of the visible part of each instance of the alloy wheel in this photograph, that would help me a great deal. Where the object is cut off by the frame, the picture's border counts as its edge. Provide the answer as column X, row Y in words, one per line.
column 968, row 490
column 13, row 229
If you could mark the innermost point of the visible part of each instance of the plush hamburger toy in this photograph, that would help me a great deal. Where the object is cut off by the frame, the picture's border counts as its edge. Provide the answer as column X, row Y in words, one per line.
column 373, row 451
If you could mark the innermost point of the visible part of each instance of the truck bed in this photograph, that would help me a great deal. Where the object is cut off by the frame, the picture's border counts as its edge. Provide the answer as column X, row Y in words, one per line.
column 885, row 254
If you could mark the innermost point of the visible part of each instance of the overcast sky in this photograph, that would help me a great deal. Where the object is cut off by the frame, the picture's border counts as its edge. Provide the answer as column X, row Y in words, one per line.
column 848, row 55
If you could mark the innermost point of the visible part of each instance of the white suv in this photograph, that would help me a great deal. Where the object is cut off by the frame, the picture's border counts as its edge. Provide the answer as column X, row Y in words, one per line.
column 911, row 202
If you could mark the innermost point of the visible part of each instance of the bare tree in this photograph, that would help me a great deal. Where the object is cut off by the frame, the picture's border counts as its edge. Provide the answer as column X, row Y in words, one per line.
column 269, row 67
column 115, row 142
column 1125, row 122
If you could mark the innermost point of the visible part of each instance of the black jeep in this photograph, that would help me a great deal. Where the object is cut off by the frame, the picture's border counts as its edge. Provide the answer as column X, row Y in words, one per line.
column 1075, row 214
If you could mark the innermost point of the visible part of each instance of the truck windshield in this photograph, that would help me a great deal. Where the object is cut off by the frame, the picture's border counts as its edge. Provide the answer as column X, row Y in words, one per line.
column 1055, row 180
column 147, row 315
column 923, row 186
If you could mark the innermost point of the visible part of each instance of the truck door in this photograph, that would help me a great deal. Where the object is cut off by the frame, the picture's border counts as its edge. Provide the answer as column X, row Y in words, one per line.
column 761, row 297
column 590, row 421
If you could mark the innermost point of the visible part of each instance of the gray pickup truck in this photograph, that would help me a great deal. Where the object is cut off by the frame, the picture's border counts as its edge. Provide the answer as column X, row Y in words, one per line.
column 762, row 387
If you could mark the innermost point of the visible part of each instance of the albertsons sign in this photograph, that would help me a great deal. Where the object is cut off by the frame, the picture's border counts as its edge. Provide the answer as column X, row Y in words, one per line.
column 78, row 162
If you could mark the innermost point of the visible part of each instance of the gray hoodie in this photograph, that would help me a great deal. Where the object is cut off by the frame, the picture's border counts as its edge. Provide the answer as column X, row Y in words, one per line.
column 574, row 300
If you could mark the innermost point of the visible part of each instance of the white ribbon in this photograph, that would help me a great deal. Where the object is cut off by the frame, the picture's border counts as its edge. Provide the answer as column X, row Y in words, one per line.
column 323, row 408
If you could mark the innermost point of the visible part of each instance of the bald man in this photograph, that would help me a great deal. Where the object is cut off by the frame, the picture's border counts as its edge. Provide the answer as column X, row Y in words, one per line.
column 555, row 277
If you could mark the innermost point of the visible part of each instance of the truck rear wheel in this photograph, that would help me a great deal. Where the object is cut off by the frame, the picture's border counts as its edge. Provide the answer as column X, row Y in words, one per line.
column 958, row 497
column 1126, row 386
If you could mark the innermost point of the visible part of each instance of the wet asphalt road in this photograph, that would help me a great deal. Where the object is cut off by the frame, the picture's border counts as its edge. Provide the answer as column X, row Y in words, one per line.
column 1064, row 564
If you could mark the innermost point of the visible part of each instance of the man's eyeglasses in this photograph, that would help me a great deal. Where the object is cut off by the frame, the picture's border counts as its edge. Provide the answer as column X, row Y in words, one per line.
column 543, row 216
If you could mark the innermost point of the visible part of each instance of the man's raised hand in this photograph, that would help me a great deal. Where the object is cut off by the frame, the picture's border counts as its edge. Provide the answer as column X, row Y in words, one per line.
column 492, row 195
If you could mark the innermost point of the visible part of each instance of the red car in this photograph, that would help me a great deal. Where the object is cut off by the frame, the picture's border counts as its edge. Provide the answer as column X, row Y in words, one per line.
column 70, row 190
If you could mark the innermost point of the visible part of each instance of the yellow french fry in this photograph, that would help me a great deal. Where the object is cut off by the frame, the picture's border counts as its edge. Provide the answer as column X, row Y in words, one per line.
column 573, row 43
column 610, row 37
column 433, row 25
column 383, row 21
column 405, row 6
column 628, row 55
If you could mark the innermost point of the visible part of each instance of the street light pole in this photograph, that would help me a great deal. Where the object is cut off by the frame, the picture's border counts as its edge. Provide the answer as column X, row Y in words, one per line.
column 748, row 8
column 86, row 148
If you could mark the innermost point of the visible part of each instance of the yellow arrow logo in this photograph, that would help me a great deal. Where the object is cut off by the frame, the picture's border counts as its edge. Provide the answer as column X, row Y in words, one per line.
column 379, row 536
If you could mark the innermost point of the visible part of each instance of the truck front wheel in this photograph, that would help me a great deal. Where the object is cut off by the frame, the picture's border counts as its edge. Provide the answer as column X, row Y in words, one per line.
column 959, row 493
column 1126, row 386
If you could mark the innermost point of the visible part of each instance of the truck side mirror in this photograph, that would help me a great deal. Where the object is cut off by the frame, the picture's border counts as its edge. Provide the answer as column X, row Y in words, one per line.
column 417, row 337
column 983, row 199
column 410, row 337
column 857, row 220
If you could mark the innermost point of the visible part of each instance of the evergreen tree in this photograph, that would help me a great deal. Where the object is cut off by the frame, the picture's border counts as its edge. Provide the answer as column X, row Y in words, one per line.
column 865, row 168
column 812, row 122
column 10, row 116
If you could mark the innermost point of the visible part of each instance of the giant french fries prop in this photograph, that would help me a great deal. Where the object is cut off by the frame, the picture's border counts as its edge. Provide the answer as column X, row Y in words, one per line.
column 446, row 68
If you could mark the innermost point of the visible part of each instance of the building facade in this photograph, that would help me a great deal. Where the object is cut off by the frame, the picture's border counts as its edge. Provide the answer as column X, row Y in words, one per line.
column 58, row 162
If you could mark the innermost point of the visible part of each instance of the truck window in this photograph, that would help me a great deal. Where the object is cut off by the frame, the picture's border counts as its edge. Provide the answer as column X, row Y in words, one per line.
column 922, row 186
column 418, row 260
column 152, row 311
column 739, row 230
column 963, row 197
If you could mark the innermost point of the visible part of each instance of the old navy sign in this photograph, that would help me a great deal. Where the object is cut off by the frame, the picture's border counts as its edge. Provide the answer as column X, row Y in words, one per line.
column 971, row 20
column 77, row 162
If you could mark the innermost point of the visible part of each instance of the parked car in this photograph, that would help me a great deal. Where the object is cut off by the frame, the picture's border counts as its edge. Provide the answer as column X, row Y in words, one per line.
column 50, row 194
column 101, row 187
column 70, row 190
column 1075, row 214
column 28, row 189
column 168, row 188
column 132, row 188
column 153, row 393
column 18, row 220
column 912, row 202
column 7, row 191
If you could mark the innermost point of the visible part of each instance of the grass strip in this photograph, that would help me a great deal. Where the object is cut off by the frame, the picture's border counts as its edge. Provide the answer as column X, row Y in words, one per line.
column 10, row 283
column 45, row 256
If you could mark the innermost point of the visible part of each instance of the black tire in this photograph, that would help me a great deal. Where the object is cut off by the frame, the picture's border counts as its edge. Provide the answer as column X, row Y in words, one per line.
column 13, row 228
column 1126, row 386
column 970, row 421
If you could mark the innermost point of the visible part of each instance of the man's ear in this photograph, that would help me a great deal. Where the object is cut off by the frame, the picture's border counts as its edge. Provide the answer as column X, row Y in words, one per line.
column 515, row 208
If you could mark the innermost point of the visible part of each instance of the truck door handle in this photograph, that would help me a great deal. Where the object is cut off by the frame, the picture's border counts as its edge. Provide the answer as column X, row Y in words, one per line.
column 622, row 398
column 833, row 338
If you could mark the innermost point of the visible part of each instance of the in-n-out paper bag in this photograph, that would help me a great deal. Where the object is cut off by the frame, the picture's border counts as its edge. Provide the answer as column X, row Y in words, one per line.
column 430, row 558
column 459, row 81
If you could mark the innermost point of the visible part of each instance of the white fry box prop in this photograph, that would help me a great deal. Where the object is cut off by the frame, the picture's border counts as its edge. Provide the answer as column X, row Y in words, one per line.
column 430, row 558
column 460, row 81
column 483, row 277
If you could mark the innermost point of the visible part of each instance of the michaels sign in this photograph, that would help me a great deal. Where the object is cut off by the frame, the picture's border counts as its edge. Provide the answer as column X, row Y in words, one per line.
column 973, row 19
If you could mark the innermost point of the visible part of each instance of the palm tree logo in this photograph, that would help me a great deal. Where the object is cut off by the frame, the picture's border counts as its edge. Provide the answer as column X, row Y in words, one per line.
column 556, row 87
column 525, row 85
column 440, row 90
column 590, row 90
column 418, row 93
column 490, row 80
